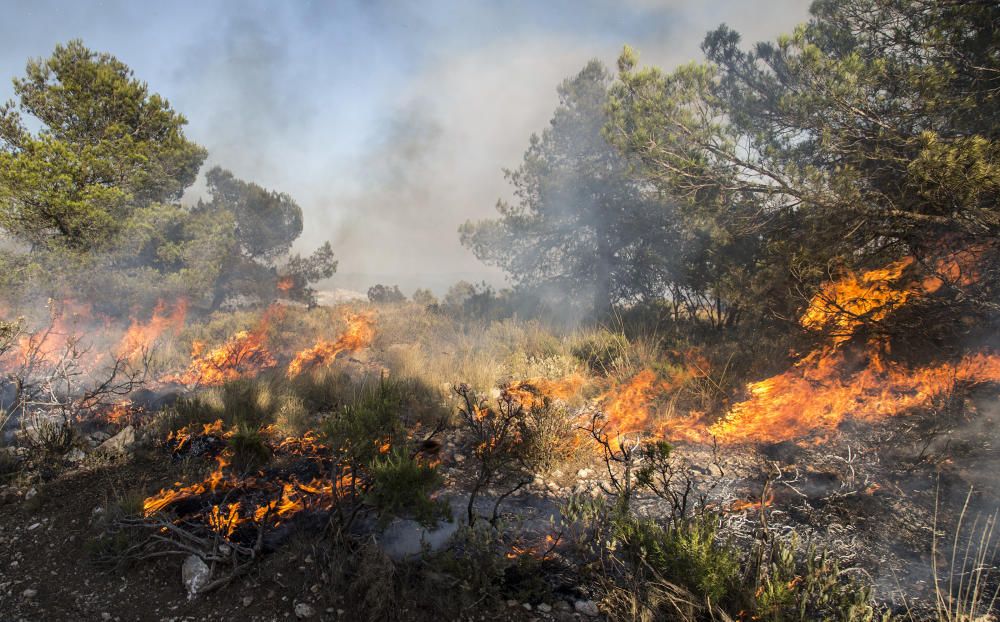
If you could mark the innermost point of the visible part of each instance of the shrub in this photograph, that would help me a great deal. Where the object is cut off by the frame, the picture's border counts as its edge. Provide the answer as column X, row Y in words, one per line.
column 322, row 389
column 249, row 451
column 549, row 435
column 684, row 553
column 371, row 421
column 292, row 416
column 402, row 486
column 602, row 351
column 248, row 402
column 384, row 294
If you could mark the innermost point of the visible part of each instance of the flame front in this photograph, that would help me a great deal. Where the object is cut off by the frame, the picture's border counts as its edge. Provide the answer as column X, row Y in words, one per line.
column 141, row 336
column 359, row 334
column 224, row 501
column 824, row 389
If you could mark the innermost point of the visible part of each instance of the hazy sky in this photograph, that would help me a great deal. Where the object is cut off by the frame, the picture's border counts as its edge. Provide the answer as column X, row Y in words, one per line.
column 389, row 122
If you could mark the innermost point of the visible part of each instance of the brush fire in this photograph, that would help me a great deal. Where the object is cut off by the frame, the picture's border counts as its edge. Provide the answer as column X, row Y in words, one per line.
column 726, row 348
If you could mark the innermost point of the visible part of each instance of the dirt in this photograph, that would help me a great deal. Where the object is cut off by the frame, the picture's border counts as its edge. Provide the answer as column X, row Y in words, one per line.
column 48, row 572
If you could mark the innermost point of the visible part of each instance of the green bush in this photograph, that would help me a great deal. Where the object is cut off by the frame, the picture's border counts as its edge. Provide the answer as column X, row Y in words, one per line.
column 249, row 450
column 603, row 352
column 401, row 486
column 361, row 428
column 685, row 553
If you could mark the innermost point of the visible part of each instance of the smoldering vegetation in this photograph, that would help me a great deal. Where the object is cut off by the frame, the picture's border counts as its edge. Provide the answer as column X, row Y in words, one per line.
column 746, row 367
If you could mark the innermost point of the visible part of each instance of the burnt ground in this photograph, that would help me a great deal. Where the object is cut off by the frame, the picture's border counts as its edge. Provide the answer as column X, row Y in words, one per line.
column 48, row 569
column 868, row 496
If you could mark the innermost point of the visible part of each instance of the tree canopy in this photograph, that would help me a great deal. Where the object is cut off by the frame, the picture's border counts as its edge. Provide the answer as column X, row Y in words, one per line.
column 90, row 202
column 581, row 225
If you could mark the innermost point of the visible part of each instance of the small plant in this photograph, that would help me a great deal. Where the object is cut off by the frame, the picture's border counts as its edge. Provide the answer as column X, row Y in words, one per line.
column 684, row 553
column 798, row 584
column 603, row 352
column 248, row 402
column 962, row 589
column 550, row 434
column 501, row 454
column 249, row 451
column 402, row 486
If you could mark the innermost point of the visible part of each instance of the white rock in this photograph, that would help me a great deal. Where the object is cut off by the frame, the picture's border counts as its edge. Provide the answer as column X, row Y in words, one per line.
column 303, row 611
column 29, row 593
column 587, row 608
column 545, row 607
column 76, row 455
column 584, row 473
column 121, row 442
column 194, row 574
column 32, row 492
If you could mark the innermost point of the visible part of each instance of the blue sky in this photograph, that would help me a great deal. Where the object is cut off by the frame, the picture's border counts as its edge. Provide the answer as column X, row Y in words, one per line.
column 389, row 122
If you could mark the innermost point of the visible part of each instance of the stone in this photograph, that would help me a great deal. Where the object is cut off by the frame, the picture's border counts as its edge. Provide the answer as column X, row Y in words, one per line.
column 304, row 610
column 511, row 602
column 459, row 458
column 31, row 494
column 587, row 608
column 405, row 538
column 76, row 455
column 194, row 574
column 584, row 473
column 29, row 593
column 527, row 606
column 120, row 443
column 544, row 607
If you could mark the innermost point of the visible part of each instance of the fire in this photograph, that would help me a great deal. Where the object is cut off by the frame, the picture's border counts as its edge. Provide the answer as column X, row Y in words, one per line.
column 140, row 336
column 629, row 407
column 841, row 307
column 536, row 390
column 816, row 396
column 244, row 354
column 359, row 334
column 273, row 498
column 285, row 284
column 826, row 387
column 742, row 506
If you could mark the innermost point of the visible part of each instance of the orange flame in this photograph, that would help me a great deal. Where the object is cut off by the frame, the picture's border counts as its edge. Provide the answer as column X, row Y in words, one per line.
column 535, row 390
column 820, row 391
column 629, row 407
column 359, row 334
column 275, row 499
column 244, row 354
column 140, row 336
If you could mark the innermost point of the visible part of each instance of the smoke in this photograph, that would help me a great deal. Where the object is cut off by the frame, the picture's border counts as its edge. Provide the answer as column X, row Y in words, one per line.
column 389, row 124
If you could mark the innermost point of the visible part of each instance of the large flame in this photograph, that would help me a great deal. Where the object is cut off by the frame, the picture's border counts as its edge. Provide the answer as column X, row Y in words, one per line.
column 141, row 336
column 629, row 407
column 825, row 388
column 245, row 354
column 359, row 334
column 815, row 396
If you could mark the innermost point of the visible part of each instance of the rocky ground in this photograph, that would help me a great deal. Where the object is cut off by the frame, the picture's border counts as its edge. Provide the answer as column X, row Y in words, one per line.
column 869, row 496
column 47, row 570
